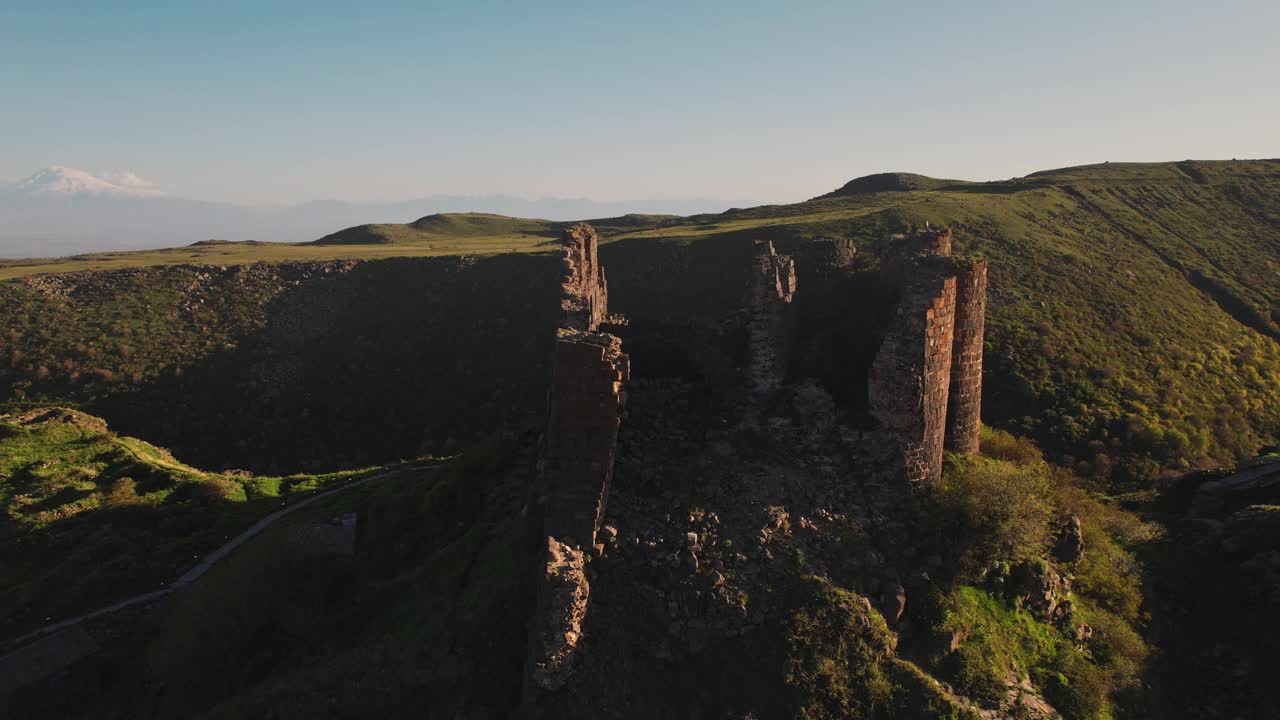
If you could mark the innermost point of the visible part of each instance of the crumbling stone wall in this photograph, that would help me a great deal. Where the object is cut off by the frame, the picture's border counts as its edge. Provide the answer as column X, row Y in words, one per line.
column 587, row 399
column 911, row 375
column 816, row 259
column 903, row 248
column 584, row 302
column 964, row 402
column 585, row 406
column 562, row 606
column 773, row 287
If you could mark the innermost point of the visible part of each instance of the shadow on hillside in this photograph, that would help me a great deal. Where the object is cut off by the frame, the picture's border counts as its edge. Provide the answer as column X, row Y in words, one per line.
column 77, row 563
column 392, row 359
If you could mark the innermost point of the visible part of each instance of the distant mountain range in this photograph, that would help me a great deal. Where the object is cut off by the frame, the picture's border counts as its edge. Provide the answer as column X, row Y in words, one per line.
column 63, row 211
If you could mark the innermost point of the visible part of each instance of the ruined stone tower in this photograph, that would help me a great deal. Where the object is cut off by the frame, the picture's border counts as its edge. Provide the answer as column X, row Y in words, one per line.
column 911, row 375
column 964, row 404
column 584, row 299
column 773, row 286
column 925, row 384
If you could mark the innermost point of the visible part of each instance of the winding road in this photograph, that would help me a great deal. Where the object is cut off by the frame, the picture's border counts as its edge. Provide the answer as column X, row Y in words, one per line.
column 26, row 652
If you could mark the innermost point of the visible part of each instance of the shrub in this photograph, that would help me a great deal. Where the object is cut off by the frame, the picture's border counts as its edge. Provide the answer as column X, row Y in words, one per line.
column 1075, row 687
column 1002, row 445
column 1115, row 647
column 993, row 511
column 835, row 648
column 123, row 494
column 218, row 488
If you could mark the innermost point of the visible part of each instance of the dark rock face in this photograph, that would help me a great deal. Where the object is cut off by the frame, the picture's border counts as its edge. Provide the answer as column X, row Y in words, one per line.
column 1040, row 589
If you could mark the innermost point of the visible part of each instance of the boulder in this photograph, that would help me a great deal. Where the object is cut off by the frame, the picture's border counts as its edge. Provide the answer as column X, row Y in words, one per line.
column 1070, row 546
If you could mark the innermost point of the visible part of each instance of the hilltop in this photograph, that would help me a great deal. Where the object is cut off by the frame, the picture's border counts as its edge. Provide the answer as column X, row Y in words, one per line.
column 749, row 533
column 890, row 182
column 442, row 227
column 1133, row 319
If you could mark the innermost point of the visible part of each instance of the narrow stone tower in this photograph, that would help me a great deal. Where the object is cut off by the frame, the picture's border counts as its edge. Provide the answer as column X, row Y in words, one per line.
column 964, row 404
column 911, row 374
column 773, row 287
column 584, row 410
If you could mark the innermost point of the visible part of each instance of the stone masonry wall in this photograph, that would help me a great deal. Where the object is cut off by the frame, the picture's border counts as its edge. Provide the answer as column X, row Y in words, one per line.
column 585, row 405
column 964, row 403
column 587, row 399
column 585, row 299
column 911, row 375
column 773, row 287
column 904, row 247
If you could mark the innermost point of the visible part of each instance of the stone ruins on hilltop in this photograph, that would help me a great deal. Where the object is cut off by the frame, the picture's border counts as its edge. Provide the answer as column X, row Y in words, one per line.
column 932, row 354
column 923, row 396
column 589, row 374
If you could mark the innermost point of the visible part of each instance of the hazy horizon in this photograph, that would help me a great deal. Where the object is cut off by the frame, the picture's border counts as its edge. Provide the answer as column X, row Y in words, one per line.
column 289, row 103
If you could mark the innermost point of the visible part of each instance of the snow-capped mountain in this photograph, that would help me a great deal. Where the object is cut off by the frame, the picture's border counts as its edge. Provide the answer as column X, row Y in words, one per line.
column 62, row 210
column 70, row 181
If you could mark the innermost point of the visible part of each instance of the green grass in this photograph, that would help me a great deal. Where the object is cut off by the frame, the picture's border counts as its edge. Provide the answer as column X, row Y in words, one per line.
column 1132, row 324
column 427, row 619
column 290, row 367
column 91, row 518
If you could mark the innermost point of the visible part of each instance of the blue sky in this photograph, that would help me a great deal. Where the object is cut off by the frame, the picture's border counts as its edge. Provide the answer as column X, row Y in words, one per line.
column 284, row 101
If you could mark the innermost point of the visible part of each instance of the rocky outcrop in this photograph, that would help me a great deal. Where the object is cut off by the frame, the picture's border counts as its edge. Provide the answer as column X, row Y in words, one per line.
column 770, row 323
column 1069, row 547
column 1041, row 589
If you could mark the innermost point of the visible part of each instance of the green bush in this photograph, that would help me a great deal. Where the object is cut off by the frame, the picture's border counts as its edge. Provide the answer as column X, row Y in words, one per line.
column 992, row 511
column 1075, row 687
column 123, row 494
column 1002, row 445
column 1114, row 646
column 835, row 646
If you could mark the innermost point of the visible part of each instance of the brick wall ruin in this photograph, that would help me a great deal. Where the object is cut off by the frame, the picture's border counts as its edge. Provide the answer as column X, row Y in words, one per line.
column 925, row 385
column 964, row 404
column 769, row 326
column 911, row 375
column 924, row 392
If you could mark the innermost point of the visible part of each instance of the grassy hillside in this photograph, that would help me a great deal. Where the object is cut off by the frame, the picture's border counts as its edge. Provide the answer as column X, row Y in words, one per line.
column 289, row 367
column 448, row 228
column 91, row 517
column 426, row 619
column 1133, row 319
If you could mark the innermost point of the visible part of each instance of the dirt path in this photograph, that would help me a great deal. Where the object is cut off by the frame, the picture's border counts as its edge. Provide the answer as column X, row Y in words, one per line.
column 190, row 576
